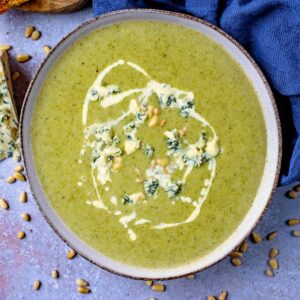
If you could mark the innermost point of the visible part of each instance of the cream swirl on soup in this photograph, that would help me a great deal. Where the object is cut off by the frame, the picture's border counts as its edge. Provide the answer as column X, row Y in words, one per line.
column 107, row 149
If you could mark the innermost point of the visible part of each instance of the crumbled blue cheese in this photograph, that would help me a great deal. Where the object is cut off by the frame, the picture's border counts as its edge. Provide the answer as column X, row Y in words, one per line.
column 150, row 186
column 149, row 150
column 126, row 199
column 173, row 142
column 156, row 177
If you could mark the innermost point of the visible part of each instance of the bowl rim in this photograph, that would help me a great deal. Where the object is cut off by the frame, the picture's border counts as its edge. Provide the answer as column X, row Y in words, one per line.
column 182, row 16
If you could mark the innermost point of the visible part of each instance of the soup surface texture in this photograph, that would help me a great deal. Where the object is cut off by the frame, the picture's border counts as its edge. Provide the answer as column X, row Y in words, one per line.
column 149, row 142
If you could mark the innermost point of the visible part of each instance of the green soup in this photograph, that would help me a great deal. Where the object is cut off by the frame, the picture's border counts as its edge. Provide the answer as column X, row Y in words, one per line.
column 156, row 160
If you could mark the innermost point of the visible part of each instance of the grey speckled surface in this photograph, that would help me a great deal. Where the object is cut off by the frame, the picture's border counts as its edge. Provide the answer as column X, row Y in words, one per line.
column 23, row 261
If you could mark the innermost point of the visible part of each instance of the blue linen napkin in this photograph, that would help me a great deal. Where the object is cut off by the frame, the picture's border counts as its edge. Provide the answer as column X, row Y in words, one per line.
column 270, row 31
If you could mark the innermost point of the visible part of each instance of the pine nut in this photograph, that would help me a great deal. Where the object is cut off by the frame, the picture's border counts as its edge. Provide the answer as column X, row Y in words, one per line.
column 36, row 285
column 11, row 179
column 23, row 57
column 25, row 217
column 153, row 121
column 21, row 235
column 35, row 35
column 71, row 254
column 23, row 197
column 4, row 204
column 81, row 282
column 19, row 168
column 5, row 47
column 158, row 287
column 47, row 49
column 54, row 274
column 19, row 176
column 28, row 31
column 256, row 238
column 83, row 290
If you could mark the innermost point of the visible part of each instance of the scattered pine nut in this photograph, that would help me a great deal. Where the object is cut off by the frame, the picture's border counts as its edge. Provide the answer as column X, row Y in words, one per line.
column 291, row 194
column 162, row 123
column 149, row 282
column 293, row 222
column 269, row 273
column 273, row 263
column 243, row 247
column 15, row 75
column 156, row 111
column 23, row 57
column 47, row 49
column 28, row 31
column 19, row 168
column 71, row 254
column 36, row 285
column 11, row 179
column 23, row 197
column 296, row 233
column 211, row 298
column 117, row 165
column 153, row 163
column 256, row 238
column 236, row 262
column 223, row 295
column 296, row 188
column 236, row 254
column 5, row 47
column 153, row 121
column 4, row 204
column 162, row 161
column 19, row 176
column 35, row 35
column 272, row 235
column 83, row 290
column 273, row 252
column 191, row 276
column 54, row 274
column 25, row 217
column 158, row 287
column 21, row 235
column 181, row 132
column 150, row 111
column 81, row 282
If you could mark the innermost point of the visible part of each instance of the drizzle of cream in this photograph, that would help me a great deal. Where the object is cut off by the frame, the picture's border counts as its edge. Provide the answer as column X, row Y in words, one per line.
column 114, row 200
column 127, row 219
column 115, row 99
column 132, row 235
column 97, row 82
column 197, row 204
column 186, row 199
column 138, row 68
column 142, row 221
column 156, row 88
column 100, row 202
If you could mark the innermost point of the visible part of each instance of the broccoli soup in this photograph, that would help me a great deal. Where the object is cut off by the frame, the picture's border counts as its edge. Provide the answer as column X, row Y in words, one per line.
column 149, row 142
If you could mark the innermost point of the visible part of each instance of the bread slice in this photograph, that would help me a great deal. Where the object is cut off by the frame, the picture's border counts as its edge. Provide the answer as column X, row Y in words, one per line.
column 7, row 4
column 9, row 141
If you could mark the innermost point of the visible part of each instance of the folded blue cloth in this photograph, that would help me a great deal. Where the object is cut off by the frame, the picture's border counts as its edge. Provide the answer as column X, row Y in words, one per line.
column 270, row 31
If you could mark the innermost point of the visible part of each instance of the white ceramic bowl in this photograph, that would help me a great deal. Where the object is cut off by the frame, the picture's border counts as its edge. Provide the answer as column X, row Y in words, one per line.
column 272, row 166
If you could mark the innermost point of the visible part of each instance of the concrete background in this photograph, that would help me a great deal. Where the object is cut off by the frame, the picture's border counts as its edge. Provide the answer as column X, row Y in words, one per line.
column 23, row 261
